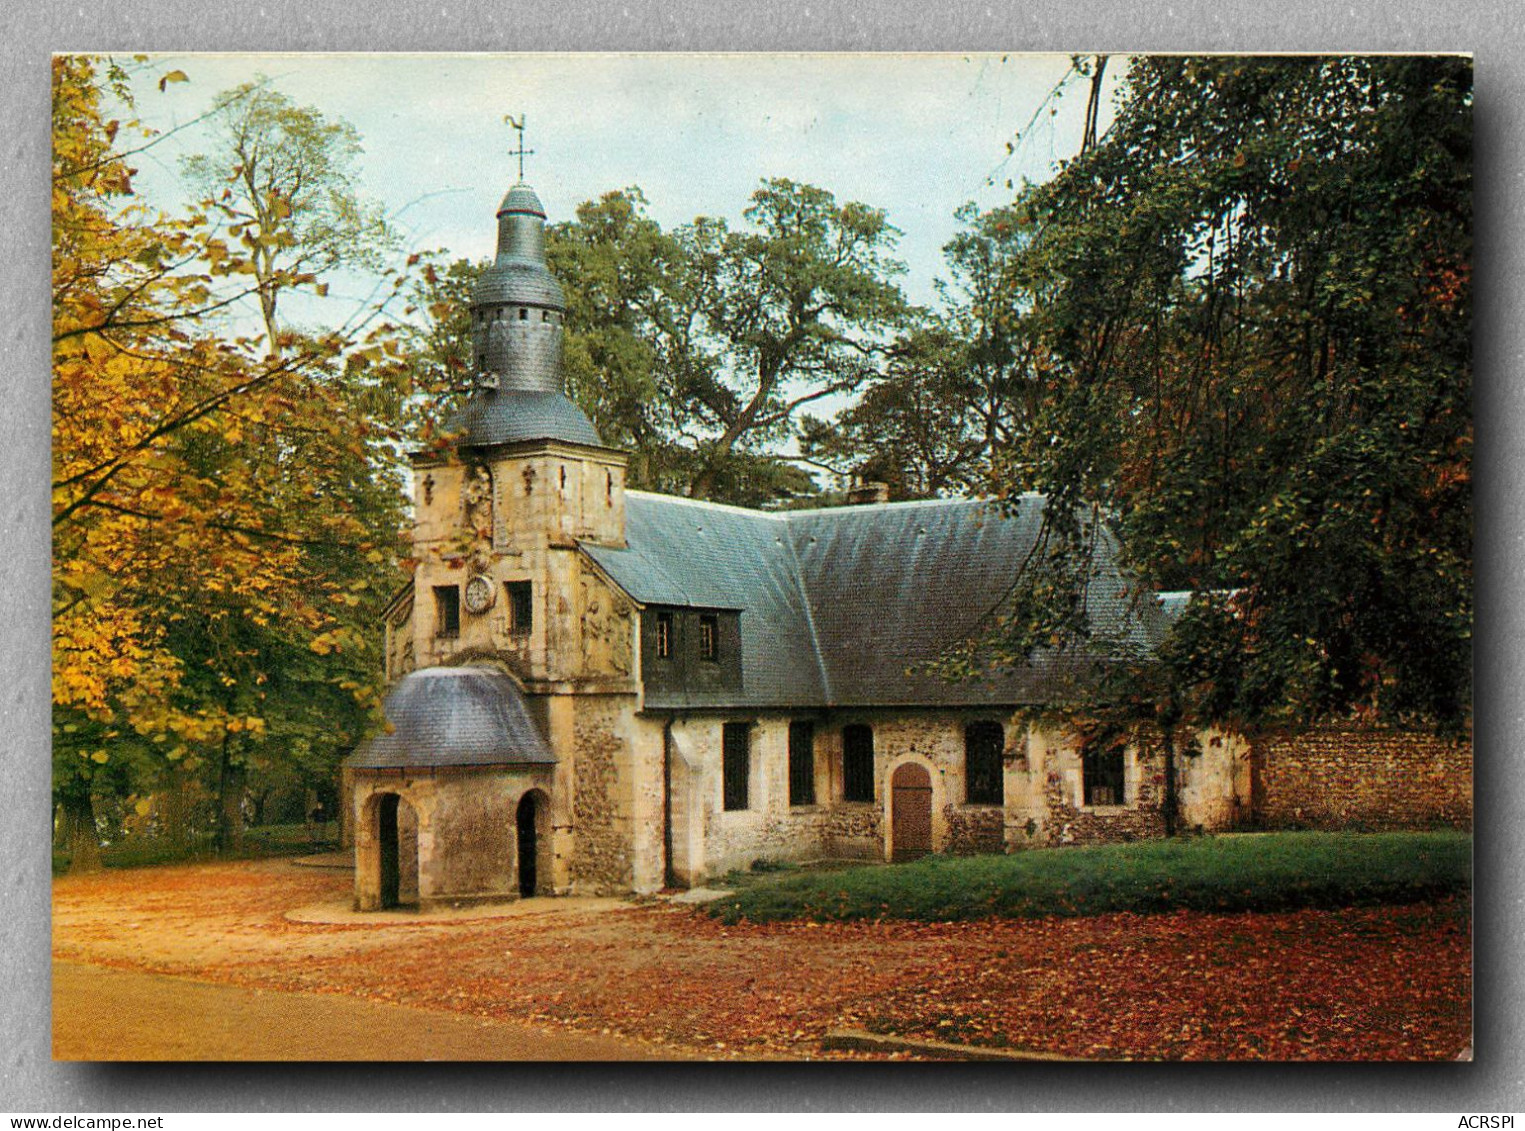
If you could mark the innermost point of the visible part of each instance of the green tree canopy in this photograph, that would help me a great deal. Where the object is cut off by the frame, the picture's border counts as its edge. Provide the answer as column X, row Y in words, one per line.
column 283, row 176
column 1253, row 299
column 698, row 350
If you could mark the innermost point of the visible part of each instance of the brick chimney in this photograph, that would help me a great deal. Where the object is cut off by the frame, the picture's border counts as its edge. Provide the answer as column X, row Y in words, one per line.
column 870, row 491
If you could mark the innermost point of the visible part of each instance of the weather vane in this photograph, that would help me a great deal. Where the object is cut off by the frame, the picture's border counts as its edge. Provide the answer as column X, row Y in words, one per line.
column 521, row 152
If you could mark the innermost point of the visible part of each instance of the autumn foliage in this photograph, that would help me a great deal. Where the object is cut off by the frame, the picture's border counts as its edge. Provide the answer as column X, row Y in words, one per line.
column 220, row 513
column 1371, row 983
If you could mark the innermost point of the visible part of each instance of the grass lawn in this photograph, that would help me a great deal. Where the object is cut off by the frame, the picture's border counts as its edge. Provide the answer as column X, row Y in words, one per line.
column 1254, row 872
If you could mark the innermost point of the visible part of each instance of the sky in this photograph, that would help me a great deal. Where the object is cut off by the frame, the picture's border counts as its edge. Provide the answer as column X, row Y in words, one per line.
column 914, row 134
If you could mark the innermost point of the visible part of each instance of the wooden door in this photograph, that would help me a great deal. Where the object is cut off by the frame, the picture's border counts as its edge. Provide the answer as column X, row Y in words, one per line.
column 910, row 812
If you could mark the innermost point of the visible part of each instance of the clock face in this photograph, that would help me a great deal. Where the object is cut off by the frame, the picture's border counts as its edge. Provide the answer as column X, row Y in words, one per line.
column 479, row 593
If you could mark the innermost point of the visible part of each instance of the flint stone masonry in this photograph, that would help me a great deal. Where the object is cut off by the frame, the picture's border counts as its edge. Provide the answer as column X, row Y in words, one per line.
column 1378, row 779
column 975, row 829
column 601, row 800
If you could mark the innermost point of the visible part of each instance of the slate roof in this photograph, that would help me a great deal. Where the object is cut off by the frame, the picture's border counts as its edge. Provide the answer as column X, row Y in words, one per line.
column 454, row 717
column 846, row 606
column 510, row 416
column 521, row 198
column 708, row 556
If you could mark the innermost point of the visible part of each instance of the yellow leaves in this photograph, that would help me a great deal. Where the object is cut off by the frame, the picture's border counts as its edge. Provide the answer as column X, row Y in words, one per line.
column 172, row 76
column 184, row 464
column 100, row 757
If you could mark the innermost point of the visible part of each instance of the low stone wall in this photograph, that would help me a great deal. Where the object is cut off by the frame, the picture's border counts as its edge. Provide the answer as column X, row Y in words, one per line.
column 1351, row 779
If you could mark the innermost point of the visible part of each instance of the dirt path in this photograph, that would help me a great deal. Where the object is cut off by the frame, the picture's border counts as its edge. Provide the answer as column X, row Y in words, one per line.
column 105, row 1014
column 1355, row 984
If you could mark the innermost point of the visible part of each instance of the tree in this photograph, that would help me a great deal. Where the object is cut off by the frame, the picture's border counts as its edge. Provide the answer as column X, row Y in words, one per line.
column 913, row 428
column 1255, row 290
column 631, row 316
column 798, row 309
column 699, row 349
column 189, row 560
column 957, row 386
column 283, row 177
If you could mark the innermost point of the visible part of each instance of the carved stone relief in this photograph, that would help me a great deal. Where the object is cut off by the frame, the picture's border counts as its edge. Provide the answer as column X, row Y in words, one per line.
column 477, row 495
column 605, row 626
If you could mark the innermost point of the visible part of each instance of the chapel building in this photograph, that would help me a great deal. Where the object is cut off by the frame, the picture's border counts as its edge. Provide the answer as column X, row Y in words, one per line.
column 599, row 690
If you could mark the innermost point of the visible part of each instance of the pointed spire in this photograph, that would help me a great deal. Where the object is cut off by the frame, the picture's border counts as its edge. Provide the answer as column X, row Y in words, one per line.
column 517, row 308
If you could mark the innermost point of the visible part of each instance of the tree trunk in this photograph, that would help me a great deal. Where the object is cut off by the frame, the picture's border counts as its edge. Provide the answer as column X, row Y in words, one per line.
column 230, row 797
column 258, row 800
column 79, row 833
column 1170, row 802
column 176, row 820
column 1093, row 105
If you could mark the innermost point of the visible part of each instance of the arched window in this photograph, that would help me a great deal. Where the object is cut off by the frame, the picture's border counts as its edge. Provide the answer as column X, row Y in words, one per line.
column 983, row 781
column 857, row 763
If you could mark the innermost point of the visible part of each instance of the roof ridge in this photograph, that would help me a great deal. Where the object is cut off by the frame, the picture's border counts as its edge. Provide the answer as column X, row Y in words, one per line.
column 786, row 516
column 858, row 508
column 706, row 504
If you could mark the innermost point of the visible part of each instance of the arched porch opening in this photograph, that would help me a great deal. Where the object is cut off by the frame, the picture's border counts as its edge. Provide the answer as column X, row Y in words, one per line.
column 533, row 844
column 396, row 826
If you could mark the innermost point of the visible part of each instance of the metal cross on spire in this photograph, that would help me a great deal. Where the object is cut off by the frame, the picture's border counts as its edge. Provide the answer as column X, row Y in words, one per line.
column 521, row 152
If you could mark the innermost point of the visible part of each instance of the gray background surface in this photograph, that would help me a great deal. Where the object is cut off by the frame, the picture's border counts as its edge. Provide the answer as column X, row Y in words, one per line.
column 29, row 1081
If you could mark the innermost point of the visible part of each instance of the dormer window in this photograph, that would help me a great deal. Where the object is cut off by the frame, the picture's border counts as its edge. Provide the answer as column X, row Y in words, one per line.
column 699, row 650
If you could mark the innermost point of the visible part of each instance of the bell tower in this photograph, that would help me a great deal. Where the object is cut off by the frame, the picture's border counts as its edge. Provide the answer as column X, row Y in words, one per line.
column 500, row 512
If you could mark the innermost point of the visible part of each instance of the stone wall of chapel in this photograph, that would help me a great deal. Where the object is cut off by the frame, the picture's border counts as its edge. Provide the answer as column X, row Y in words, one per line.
column 1069, row 820
column 518, row 520
column 456, row 832
column 603, row 782
column 710, row 840
column 1043, row 791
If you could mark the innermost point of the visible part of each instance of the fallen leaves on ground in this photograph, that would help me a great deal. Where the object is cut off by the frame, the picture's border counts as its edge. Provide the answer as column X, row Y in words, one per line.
column 1354, row 984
